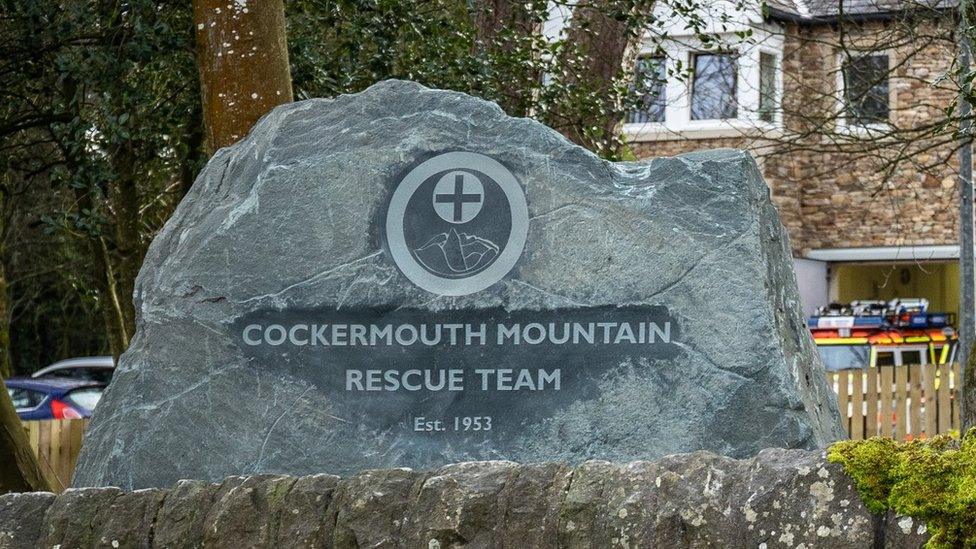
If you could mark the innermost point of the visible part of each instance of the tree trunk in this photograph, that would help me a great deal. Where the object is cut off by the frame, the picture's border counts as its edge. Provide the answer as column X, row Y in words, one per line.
column 103, row 276
column 967, row 394
column 6, row 364
column 19, row 470
column 506, row 33
column 242, row 55
column 600, row 45
column 6, row 361
column 111, row 306
column 967, row 261
column 128, row 241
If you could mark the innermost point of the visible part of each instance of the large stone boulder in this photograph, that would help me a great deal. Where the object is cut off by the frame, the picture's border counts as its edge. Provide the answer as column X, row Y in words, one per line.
column 781, row 498
column 300, row 223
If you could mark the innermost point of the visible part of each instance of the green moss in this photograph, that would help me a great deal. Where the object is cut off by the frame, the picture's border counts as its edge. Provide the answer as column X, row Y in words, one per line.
column 931, row 480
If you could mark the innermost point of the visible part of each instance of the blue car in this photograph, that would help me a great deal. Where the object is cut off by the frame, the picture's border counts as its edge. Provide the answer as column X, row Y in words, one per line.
column 53, row 398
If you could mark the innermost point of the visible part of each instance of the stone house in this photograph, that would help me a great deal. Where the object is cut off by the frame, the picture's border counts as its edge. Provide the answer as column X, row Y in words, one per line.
column 844, row 107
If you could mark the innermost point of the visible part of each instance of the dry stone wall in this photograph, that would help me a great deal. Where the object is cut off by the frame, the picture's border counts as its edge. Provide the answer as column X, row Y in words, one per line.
column 780, row 498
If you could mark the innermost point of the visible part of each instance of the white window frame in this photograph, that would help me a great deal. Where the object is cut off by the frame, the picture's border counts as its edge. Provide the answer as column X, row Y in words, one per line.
column 691, row 61
column 845, row 125
column 677, row 111
column 777, row 120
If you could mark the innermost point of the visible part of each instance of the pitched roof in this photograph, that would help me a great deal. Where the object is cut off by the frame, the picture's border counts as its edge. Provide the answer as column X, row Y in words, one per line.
column 831, row 10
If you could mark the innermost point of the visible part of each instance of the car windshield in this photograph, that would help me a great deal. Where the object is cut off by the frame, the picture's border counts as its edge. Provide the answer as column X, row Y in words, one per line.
column 86, row 398
column 844, row 357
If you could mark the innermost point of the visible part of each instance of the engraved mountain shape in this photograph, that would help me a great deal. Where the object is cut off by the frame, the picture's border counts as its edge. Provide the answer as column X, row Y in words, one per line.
column 454, row 254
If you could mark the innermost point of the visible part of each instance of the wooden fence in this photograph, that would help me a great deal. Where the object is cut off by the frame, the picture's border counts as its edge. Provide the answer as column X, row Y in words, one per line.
column 56, row 443
column 903, row 402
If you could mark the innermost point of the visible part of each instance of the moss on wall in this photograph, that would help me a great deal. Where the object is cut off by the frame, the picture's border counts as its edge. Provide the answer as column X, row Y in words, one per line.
column 931, row 480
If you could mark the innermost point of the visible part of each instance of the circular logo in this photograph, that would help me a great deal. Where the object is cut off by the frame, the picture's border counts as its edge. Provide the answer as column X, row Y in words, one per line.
column 457, row 223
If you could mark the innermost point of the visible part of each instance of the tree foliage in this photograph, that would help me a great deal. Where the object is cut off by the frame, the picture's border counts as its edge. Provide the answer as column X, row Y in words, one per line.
column 98, row 98
column 575, row 79
column 101, row 126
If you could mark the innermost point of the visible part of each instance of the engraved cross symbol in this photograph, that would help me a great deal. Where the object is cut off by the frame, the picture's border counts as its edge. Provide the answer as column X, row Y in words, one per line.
column 458, row 199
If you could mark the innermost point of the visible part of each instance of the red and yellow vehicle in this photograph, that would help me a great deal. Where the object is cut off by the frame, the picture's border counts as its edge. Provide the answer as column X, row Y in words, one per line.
column 878, row 333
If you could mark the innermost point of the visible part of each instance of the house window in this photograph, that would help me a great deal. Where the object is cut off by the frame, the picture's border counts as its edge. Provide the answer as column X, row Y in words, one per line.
column 651, row 85
column 713, row 93
column 866, row 89
column 767, row 87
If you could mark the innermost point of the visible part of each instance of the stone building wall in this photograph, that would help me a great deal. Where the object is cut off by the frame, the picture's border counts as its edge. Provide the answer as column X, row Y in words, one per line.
column 838, row 188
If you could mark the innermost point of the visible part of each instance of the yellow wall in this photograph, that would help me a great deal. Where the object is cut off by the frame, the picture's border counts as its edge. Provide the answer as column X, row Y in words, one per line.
column 937, row 282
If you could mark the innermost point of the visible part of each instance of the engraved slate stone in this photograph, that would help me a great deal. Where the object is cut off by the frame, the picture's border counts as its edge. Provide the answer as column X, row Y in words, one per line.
column 408, row 277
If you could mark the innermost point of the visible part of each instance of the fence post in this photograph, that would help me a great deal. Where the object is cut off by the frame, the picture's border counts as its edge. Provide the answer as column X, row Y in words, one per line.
column 930, row 401
column 857, row 403
column 871, row 421
column 915, row 402
column 842, row 399
column 56, row 443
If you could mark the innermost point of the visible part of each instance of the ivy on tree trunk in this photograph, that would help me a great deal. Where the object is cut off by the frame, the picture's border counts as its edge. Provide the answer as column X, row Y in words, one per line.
column 599, row 50
column 507, row 35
